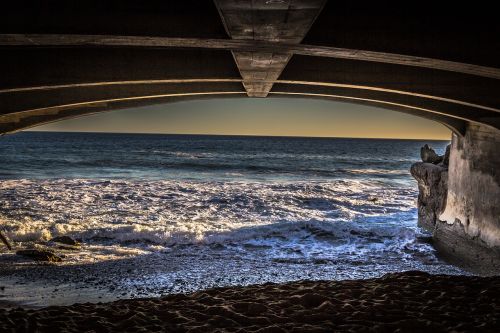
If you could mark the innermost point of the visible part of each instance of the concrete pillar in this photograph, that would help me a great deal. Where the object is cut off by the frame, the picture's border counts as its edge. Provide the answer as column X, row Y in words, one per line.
column 469, row 227
column 474, row 184
column 459, row 202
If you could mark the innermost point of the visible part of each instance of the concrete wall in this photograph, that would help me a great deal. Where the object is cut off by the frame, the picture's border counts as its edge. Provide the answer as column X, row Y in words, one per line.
column 460, row 203
column 474, row 184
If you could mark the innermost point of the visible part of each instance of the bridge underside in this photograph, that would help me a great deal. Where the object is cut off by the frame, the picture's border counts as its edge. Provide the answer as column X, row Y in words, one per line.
column 62, row 59
column 42, row 83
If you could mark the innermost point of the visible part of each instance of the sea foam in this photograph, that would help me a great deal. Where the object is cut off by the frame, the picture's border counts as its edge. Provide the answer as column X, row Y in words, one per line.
column 344, row 214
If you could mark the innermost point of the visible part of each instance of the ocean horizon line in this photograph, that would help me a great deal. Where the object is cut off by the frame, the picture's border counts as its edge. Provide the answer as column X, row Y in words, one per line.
column 232, row 135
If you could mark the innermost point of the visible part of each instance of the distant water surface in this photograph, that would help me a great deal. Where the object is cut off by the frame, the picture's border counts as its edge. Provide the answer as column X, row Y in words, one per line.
column 316, row 208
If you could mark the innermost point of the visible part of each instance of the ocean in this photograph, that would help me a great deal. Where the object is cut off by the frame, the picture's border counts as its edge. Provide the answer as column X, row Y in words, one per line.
column 219, row 210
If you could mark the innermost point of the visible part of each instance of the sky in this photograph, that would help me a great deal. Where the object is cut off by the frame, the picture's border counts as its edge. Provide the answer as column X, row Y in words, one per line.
column 258, row 116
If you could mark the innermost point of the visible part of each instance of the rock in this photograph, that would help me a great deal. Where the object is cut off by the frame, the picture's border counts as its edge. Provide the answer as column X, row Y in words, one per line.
column 432, row 178
column 433, row 188
column 39, row 255
column 446, row 157
column 5, row 241
column 65, row 240
column 428, row 155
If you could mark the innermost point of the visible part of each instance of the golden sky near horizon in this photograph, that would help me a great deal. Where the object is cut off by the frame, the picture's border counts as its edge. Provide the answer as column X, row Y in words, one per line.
column 251, row 116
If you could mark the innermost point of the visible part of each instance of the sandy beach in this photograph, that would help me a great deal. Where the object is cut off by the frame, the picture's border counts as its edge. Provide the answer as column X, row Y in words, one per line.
column 398, row 302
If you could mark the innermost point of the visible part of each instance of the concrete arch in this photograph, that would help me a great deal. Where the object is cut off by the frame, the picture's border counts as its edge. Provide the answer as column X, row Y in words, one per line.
column 97, row 74
column 30, row 118
column 21, row 106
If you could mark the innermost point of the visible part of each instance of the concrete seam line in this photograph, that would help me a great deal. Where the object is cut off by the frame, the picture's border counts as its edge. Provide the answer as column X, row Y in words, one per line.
column 399, row 92
column 369, row 100
column 111, row 83
column 124, row 99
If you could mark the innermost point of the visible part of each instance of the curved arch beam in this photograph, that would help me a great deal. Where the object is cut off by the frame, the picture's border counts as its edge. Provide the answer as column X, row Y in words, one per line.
column 17, row 102
column 392, row 91
column 30, row 118
column 114, row 83
column 456, row 125
column 246, row 45
column 295, row 82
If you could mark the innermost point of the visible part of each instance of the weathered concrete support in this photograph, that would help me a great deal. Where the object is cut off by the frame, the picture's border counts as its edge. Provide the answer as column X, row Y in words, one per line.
column 461, row 205
column 270, row 21
column 474, row 184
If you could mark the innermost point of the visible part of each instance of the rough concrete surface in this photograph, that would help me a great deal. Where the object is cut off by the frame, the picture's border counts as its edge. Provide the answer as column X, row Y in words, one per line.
column 460, row 205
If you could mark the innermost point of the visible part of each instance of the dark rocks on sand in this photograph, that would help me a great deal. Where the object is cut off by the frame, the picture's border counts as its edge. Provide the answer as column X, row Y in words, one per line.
column 5, row 241
column 40, row 255
column 65, row 240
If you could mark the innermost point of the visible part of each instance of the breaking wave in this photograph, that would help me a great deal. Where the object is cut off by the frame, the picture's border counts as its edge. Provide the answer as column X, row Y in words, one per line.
column 286, row 219
column 218, row 201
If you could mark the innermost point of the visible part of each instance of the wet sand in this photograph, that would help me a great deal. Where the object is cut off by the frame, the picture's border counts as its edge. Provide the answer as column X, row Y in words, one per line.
column 404, row 302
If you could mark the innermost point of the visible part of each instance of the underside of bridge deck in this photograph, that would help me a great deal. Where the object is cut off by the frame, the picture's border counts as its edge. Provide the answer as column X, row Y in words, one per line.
column 62, row 59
